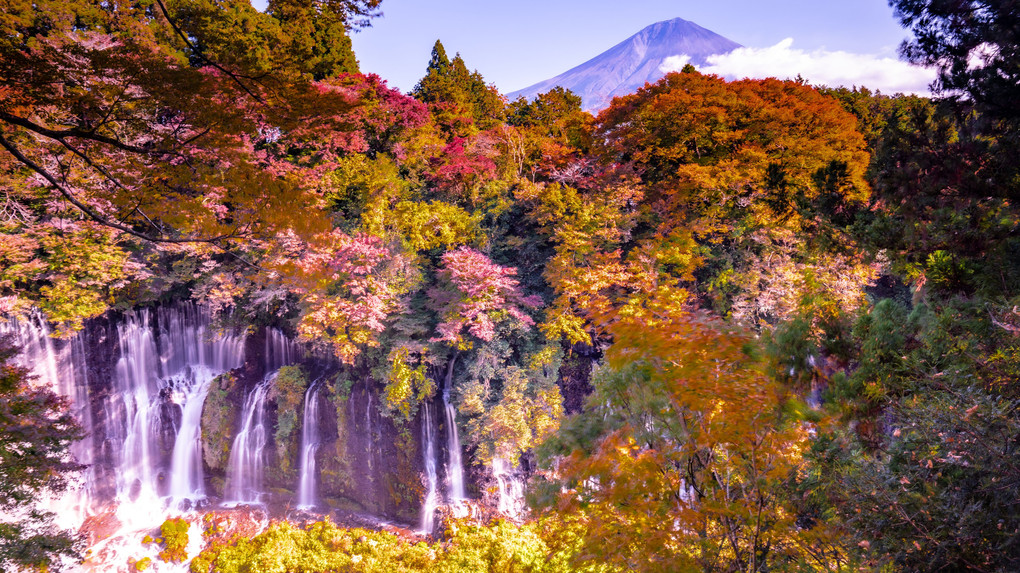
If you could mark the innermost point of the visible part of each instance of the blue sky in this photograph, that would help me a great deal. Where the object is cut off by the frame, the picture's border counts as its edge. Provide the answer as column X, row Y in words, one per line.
column 515, row 44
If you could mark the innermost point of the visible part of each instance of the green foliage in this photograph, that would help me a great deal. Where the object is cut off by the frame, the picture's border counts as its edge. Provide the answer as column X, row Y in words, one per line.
column 174, row 535
column 319, row 43
column 509, row 409
column 75, row 275
column 408, row 384
column 933, row 499
column 436, row 225
column 556, row 114
column 456, row 93
column 322, row 546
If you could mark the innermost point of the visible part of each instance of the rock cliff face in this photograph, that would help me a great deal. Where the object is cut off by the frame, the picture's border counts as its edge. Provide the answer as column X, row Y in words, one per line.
column 166, row 396
column 630, row 64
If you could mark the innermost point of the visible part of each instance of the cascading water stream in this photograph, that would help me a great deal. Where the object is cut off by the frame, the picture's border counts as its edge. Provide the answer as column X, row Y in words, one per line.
column 60, row 367
column 431, row 500
column 510, row 489
column 244, row 470
column 177, row 355
column 309, row 445
column 193, row 357
column 136, row 411
column 455, row 471
column 369, row 438
column 279, row 350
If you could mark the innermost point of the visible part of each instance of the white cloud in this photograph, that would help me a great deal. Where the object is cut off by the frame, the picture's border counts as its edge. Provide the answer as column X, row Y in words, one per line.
column 674, row 63
column 821, row 67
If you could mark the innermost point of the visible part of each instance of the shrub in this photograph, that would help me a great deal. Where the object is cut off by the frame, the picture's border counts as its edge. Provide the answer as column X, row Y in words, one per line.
column 175, row 540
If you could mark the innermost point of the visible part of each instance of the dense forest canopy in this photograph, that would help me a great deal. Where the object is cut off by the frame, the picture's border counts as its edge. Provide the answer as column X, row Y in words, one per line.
column 751, row 325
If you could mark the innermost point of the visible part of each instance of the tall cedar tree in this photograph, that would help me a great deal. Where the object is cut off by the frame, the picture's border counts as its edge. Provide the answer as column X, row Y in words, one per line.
column 453, row 91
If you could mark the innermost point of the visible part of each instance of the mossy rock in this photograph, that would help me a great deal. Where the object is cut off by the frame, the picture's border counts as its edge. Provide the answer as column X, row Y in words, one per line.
column 289, row 395
column 219, row 415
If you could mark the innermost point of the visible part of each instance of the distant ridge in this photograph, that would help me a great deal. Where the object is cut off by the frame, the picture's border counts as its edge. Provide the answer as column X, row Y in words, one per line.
column 628, row 65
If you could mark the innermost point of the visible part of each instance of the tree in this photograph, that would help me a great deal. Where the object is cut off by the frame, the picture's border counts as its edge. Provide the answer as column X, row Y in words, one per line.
column 473, row 294
column 318, row 36
column 36, row 432
column 456, row 94
column 739, row 183
column 195, row 126
column 348, row 306
column 682, row 458
column 975, row 44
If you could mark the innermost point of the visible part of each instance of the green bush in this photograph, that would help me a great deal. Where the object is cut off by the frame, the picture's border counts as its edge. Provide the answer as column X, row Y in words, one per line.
column 175, row 540
column 323, row 546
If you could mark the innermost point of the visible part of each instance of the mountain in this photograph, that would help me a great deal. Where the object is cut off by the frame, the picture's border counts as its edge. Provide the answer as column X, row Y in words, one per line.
column 628, row 65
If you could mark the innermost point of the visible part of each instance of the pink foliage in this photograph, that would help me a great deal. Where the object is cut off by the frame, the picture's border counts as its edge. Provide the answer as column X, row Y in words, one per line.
column 475, row 291
column 460, row 167
column 354, row 307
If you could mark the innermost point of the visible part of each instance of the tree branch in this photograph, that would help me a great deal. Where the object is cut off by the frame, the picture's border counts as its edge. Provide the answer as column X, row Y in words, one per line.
column 187, row 41
column 75, row 132
column 95, row 215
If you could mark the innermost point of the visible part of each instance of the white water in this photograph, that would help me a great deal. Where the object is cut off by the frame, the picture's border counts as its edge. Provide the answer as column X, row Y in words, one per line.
column 194, row 357
column 309, row 445
column 133, row 418
column 180, row 358
column 368, row 431
column 431, row 501
column 510, row 489
column 455, row 471
column 279, row 350
column 60, row 367
column 244, row 470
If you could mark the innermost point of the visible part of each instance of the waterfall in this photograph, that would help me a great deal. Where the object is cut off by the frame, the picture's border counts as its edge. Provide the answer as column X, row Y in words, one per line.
column 244, row 470
column 368, row 428
column 60, row 367
column 309, row 445
column 431, row 500
column 279, row 350
column 510, row 489
column 192, row 359
column 176, row 356
column 134, row 417
column 455, row 471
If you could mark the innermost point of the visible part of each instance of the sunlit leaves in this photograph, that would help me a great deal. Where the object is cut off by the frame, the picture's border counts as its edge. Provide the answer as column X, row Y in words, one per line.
column 682, row 457
column 349, row 306
column 474, row 293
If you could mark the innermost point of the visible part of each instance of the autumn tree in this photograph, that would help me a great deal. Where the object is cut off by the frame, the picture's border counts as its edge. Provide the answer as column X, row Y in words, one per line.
column 735, row 175
column 473, row 294
column 681, row 460
column 191, row 125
